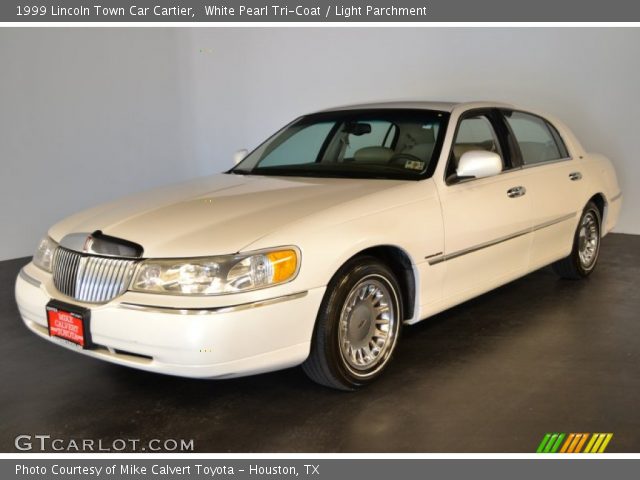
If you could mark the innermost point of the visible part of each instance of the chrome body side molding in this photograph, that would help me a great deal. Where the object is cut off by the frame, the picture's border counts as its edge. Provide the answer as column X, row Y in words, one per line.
column 212, row 310
column 475, row 248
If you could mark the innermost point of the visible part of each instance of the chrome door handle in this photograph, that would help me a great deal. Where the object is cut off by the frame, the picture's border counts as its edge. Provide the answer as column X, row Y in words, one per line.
column 573, row 176
column 516, row 192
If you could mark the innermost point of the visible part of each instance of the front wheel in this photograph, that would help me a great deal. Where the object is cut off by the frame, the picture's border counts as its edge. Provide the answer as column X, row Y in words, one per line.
column 358, row 326
column 586, row 246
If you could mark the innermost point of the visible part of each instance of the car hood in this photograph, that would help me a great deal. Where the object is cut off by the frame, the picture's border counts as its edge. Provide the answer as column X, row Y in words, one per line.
column 219, row 214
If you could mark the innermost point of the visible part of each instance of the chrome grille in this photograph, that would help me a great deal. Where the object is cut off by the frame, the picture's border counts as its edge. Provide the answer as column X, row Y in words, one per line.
column 91, row 278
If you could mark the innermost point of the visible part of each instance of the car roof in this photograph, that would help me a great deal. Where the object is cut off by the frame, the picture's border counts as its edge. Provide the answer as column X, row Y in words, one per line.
column 422, row 105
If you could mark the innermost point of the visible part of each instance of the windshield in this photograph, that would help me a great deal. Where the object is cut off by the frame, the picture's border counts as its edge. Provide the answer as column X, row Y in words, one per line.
column 392, row 144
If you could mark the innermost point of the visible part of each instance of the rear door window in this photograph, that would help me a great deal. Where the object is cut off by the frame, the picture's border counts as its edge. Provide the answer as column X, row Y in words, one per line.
column 537, row 139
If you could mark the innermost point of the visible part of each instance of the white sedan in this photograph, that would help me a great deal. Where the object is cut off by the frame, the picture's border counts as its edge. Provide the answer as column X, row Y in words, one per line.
column 322, row 242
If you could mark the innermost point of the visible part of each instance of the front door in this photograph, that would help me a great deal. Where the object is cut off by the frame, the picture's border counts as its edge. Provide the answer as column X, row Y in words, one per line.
column 487, row 221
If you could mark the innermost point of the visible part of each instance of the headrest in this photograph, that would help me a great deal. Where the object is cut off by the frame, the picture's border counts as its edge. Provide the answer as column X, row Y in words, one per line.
column 416, row 135
column 423, row 135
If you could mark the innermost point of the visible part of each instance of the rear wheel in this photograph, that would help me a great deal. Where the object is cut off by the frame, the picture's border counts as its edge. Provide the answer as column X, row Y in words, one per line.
column 358, row 326
column 586, row 246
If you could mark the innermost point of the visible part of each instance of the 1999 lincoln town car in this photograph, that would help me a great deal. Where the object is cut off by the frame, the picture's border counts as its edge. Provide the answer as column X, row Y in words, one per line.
column 322, row 242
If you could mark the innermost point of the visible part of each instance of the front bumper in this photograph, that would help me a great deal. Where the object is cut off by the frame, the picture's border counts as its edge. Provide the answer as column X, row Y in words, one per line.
column 221, row 342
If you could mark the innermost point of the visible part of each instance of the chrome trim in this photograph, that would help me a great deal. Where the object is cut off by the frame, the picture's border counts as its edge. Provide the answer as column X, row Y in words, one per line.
column 588, row 240
column 491, row 243
column 553, row 222
column 368, row 325
column 74, row 241
column 516, row 192
column 547, row 162
column 29, row 279
column 212, row 310
column 613, row 199
column 480, row 246
column 434, row 255
column 89, row 278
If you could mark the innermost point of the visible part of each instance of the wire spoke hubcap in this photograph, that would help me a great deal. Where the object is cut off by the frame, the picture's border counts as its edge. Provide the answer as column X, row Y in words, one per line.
column 367, row 327
column 588, row 240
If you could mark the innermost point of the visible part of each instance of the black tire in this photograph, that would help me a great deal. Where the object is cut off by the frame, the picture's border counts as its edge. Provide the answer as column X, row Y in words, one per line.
column 574, row 266
column 327, row 363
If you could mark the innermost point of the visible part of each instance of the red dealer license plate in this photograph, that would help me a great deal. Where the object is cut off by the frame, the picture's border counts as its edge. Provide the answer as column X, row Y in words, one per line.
column 68, row 322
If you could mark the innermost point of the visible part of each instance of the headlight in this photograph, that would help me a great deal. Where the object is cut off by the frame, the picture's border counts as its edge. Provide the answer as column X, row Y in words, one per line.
column 217, row 275
column 43, row 257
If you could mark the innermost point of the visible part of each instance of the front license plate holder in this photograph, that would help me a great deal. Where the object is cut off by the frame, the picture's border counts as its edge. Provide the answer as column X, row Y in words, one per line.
column 70, row 323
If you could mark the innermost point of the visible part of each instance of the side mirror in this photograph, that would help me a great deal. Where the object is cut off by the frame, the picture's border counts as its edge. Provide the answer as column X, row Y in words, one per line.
column 479, row 164
column 240, row 155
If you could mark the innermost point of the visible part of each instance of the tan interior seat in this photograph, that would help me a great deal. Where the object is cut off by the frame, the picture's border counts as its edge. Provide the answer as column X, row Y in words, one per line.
column 418, row 142
column 373, row 155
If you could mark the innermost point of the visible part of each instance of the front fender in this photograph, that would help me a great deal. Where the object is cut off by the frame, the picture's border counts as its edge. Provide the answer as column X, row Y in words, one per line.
column 414, row 227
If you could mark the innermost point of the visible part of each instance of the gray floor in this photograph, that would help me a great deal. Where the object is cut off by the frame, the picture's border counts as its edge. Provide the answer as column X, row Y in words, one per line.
column 493, row 375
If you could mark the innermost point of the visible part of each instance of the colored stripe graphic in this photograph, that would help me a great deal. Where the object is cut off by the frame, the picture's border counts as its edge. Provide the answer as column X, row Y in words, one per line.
column 574, row 443
column 581, row 443
column 550, row 443
column 543, row 443
column 572, row 447
column 567, row 443
column 598, row 442
column 590, row 444
column 556, row 445
column 605, row 443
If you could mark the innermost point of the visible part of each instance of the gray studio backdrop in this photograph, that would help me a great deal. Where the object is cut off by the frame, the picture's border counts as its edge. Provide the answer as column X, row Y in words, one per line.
column 87, row 115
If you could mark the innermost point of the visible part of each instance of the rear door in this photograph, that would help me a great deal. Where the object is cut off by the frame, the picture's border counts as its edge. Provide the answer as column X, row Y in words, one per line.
column 487, row 221
column 555, row 185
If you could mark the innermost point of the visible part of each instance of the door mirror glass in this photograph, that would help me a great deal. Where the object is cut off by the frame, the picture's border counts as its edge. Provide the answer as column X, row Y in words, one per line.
column 240, row 155
column 479, row 164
